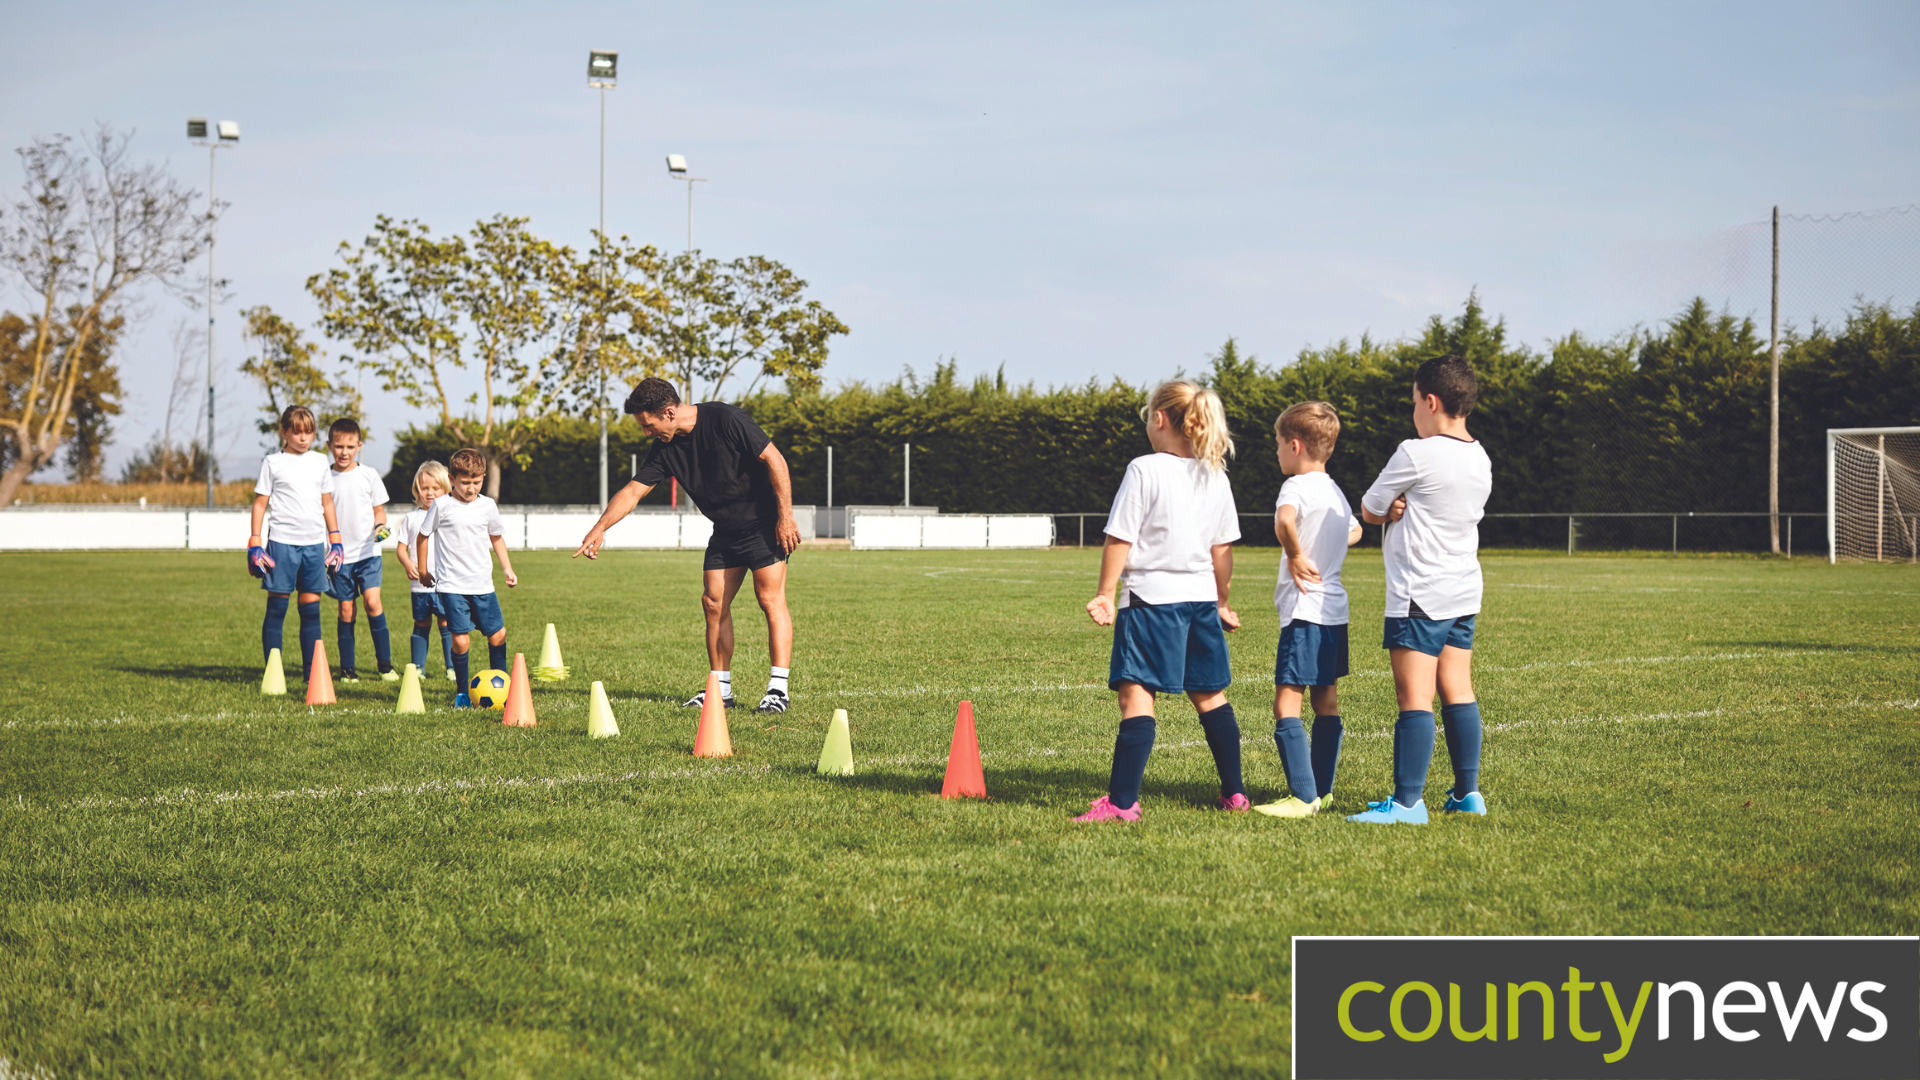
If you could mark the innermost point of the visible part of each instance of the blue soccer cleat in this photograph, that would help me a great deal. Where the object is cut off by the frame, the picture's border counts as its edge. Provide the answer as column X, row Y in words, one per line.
column 1470, row 803
column 461, row 701
column 1388, row 812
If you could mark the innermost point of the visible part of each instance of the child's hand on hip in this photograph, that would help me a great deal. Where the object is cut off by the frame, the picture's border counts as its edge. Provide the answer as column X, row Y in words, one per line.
column 1101, row 608
column 1398, row 510
column 1303, row 572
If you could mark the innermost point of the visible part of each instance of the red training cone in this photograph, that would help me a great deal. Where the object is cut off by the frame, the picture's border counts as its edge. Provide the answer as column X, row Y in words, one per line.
column 964, row 778
column 712, row 739
column 519, row 711
column 319, row 679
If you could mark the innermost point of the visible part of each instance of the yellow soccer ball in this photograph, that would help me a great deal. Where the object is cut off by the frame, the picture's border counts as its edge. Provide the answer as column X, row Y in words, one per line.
column 488, row 689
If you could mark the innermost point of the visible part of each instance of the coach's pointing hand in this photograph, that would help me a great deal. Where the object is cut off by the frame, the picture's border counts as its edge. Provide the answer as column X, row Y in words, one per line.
column 590, row 547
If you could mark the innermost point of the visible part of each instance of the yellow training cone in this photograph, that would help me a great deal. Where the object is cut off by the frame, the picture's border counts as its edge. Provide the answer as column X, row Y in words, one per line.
column 600, row 723
column 410, row 700
column 550, row 668
column 274, row 679
column 836, row 757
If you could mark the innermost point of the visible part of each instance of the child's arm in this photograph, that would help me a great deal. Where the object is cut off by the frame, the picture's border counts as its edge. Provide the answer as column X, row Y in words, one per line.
column 506, row 564
column 257, row 556
column 406, row 563
column 1286, row 529
column 1395, row 511
column 336, row 552
column 423, row 575
column 1223, row 582
column 1353, row 534
column 1113, row 560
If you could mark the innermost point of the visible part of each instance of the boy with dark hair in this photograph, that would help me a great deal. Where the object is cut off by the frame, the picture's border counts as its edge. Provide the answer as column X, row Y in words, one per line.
column 1430, row 497
column 360, row 503
column 1315, row 526
column 453, row 560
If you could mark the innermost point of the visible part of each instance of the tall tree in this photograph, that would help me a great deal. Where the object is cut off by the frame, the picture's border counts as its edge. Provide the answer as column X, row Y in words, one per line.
column 748, row 317
column 287, row 367
column 91, row 230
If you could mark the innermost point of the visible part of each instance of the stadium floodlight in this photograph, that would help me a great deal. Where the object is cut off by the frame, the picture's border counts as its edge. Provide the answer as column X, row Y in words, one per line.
column 228, row 134
column 677, row 170
column 602, row 69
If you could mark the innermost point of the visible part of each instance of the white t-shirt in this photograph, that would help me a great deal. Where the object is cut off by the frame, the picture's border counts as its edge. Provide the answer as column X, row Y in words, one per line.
column 293, row 484
column 1324, row 522
column 1432, row 553
column 462, row 544
column 410, row 536
column 1173, row 510
column 355, row 493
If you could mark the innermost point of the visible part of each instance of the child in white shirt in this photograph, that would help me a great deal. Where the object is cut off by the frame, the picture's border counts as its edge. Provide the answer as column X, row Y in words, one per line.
column 453, row 545
column 430, row 482
column 1431, row 496
column 1171, row 531
column 1315, row 526
column 296, row 540
column 360, row 501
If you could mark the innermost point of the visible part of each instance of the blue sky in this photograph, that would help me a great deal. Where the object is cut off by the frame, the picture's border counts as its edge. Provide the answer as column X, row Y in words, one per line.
column 1070, row 190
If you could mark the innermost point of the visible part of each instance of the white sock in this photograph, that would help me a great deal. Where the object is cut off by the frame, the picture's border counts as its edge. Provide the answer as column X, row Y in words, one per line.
column 777, row 680
column 726, row 684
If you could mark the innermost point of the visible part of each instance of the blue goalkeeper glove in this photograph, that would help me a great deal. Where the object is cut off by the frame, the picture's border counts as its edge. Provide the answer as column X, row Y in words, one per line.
column 336, row 552
column 257, row 557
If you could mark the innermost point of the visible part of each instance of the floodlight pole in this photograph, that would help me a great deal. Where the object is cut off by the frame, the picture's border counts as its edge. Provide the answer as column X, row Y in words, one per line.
column 691, row 180
column 213, row 147
column 599, row 350
column 1773, row 422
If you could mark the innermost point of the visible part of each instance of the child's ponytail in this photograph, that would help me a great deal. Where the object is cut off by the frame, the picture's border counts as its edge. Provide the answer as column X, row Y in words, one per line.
column 1195, row 412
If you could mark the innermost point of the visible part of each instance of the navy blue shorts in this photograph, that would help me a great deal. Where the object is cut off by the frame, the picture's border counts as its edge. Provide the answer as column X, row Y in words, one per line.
column 296, row 568
column 466, row 613
column 425, row 606
column 1170, row 648
column 355, row 578
column 1429, row 635
column 1310, row 654
column 755, row 549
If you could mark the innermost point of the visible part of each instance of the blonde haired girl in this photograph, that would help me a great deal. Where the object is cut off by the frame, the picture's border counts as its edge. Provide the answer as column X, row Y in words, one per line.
column 1171, row 532
column 430, row 481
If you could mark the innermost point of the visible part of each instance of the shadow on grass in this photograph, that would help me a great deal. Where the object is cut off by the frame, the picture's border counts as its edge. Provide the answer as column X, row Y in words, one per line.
column 232, row 673
column 1025, row 785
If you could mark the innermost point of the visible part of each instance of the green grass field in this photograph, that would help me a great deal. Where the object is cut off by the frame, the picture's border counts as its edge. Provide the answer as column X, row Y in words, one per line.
column 197, row 881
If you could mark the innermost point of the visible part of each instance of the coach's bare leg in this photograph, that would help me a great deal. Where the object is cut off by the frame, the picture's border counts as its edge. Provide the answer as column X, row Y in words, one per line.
column 718, row 588
column 1456, row 676
column 770, row 588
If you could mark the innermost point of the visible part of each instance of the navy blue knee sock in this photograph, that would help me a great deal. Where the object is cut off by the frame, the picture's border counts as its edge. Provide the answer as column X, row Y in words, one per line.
column 1295, row 760
column 1462, row 723
column 273, row 629
column 446, row 645
column 309, row 635
column 497, row 656
column 418, row 644
column 382, row 645
column 1223, row 738
column 345, row 635
column 460, row 671
column 1412, row 753
column 1130, row 750
column 1327, row 731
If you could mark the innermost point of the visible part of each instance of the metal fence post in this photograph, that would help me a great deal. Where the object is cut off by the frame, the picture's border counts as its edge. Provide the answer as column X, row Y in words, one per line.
column 1569, row 534
column 1083, row 530
column 1676, row 534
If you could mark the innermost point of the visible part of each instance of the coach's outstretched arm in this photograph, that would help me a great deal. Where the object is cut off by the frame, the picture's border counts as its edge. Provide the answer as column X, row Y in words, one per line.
column 785, row 528
column 619, row 506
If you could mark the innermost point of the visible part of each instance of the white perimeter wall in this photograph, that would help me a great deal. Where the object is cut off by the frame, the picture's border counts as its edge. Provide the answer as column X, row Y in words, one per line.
column 897, row 531
column 35, row 529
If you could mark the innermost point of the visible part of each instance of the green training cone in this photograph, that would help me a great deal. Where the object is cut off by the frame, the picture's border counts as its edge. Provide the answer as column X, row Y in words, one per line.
column 600, row 723
column 410, row 700
column 550, row 668
column 274, row 679
column 836, row 757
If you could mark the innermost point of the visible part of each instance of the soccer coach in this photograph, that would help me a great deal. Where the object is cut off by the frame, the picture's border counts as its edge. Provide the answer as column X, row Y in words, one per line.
column 739, row 480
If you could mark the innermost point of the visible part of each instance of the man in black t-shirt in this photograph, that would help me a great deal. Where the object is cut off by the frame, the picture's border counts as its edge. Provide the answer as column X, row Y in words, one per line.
column 739, row 480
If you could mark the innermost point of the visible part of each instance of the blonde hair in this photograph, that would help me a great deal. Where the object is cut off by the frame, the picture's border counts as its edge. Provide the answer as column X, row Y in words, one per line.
column 1196, row 412
column 434, row 471
column 1314, row 423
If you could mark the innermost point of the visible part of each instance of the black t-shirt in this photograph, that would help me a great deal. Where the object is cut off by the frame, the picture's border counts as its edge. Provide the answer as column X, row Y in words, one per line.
column 718, row 463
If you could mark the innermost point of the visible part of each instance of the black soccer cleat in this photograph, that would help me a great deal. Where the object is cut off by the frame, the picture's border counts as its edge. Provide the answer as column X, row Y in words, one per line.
column 774, row 702
column 700, row 699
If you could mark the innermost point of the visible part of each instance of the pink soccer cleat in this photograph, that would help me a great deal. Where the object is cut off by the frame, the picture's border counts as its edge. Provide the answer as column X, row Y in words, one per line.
column 1235, row 802
column 1104, row 810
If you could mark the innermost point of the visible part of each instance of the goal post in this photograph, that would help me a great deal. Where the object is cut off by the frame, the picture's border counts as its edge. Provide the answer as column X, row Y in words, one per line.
column 1873, row 494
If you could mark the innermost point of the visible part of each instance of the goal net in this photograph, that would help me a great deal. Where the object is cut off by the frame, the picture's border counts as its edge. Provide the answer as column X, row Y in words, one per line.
column 1873, row 494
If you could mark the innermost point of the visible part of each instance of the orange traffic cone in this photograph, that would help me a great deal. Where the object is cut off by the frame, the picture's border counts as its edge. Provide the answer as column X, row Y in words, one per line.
column 519, row 711
column 320, row 680
column 964, row 777
column 712, row 739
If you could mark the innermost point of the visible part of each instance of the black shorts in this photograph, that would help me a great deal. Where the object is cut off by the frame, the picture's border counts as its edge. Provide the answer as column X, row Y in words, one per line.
column 755, row 549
